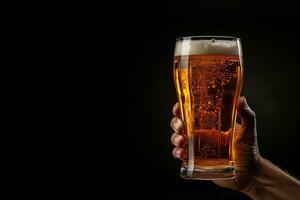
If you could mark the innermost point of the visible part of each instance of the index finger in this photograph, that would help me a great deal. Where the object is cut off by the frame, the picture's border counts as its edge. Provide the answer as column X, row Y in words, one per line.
column 176, row 110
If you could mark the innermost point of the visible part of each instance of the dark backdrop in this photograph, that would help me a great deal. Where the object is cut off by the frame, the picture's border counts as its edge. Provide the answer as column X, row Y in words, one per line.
column 88, row 92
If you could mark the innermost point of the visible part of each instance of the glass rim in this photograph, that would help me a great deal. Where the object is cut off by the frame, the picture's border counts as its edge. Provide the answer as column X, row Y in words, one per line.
column 217, row 37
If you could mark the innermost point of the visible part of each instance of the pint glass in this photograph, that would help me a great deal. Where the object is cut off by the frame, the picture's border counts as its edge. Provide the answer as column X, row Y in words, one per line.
column 208, row 74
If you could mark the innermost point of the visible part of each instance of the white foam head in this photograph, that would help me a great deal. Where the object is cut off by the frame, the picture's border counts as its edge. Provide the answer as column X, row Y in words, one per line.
column 207, row 46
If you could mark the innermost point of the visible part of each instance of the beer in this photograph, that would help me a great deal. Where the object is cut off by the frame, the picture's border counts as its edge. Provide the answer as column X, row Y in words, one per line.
column 208, row 79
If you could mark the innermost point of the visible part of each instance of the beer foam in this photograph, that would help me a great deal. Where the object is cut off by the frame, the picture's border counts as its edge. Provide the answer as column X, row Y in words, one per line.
column 212, row 46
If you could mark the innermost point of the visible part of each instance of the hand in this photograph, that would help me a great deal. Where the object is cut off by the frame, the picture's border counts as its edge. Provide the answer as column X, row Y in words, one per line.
column 246, row 156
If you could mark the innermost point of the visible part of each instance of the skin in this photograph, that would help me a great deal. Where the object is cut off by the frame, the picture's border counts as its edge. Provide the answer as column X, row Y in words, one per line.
column 245, row 150
column 255, row 176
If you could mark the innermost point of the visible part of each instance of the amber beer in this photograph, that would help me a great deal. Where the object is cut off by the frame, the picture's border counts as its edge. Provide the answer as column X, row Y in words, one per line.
column 208, row 79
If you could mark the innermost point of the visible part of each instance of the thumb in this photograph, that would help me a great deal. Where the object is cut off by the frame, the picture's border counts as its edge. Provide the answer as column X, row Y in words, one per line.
column 248, row 119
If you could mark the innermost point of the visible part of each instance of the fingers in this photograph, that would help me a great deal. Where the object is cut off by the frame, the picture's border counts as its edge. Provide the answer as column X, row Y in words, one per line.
column 179, row 153
column 176, row 110
column 177, row 140
column 177, row 125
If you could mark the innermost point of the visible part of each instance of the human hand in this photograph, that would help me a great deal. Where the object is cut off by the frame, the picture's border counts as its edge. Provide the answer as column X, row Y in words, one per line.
column 246, row 156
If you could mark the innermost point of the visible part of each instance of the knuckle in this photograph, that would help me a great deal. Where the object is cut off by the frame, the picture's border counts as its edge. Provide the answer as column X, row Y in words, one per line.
column 252, row 116
column 252, row 113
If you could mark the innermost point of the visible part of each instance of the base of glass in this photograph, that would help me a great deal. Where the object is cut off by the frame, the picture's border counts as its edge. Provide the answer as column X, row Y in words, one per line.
column 227, row 172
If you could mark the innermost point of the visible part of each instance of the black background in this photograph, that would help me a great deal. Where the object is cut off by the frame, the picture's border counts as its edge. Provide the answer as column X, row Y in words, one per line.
column 87, row 92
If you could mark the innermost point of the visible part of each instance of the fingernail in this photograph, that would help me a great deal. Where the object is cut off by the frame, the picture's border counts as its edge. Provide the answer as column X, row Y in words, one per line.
column 178, row 152
column 176, row 125
column 177, row 139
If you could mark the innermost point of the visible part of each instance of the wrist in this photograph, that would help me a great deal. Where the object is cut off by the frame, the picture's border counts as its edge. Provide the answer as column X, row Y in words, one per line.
column 253, row 177
column 270, row 182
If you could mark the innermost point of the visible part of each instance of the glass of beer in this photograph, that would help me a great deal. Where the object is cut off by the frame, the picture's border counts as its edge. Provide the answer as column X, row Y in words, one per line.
column 208, row 75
